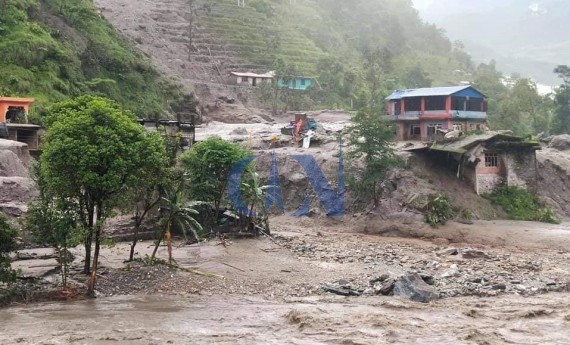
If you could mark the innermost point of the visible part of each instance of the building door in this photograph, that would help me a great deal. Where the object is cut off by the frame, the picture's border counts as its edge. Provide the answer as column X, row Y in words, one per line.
column 415, row 132
column 432, row 130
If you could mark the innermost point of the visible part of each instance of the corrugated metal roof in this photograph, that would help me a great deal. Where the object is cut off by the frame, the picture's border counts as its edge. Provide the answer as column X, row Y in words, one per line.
column 465, row 143
column 429, row 91
column 253, row 75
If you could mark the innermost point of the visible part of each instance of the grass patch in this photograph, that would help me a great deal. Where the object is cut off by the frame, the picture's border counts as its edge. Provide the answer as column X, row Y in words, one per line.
column 40, row 61
column 522, row 204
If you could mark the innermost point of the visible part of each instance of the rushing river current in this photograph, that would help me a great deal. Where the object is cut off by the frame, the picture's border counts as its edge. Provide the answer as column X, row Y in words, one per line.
column 167, row 319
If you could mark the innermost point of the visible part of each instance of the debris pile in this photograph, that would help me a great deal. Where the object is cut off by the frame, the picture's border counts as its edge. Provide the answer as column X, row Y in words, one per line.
column 395, row 269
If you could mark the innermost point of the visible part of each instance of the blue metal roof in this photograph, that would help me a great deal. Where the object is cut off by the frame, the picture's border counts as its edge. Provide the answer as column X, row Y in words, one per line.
column 435, row 91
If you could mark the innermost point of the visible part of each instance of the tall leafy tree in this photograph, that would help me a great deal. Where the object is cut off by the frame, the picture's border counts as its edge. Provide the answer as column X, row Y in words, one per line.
column 561, row 121
column 522, row 111
column 93, row 152
column 372, row 154
column 145, row 196
column 208, row 165
column 53, row 222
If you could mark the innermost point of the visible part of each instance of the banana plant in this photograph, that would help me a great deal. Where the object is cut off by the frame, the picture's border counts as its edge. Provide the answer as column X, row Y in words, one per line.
column 176, row 211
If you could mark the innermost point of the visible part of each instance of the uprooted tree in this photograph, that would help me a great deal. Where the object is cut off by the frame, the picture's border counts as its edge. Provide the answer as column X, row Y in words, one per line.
column 372, row 154
column 93, row 152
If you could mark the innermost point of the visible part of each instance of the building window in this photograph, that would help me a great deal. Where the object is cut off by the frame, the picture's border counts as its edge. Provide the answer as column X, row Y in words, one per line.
column 491, row 160
column 244, row 79
column 475, row 104
column 458, row 127
column 302, row 81
column 435, row 103
column 413, row 104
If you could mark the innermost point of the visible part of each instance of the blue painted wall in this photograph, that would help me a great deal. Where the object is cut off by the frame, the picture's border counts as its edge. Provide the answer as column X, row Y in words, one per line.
column 469, row 92
column 297, row 83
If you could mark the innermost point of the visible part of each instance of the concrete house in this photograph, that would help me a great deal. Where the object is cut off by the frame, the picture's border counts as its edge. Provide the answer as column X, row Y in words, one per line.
column 487, row 161
column 14, row 120
column 250, row 78
column 419, row 113
column 296, row 83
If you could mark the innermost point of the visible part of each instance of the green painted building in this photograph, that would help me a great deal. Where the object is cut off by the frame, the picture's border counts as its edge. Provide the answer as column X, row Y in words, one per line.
column 296, row 83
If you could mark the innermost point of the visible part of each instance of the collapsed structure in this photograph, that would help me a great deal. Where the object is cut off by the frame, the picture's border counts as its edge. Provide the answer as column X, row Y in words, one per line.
column 487, row 161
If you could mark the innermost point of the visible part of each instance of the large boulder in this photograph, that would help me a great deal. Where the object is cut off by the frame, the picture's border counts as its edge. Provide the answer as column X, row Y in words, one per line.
column 18, row 148
column 560, row 142
column 412, row 286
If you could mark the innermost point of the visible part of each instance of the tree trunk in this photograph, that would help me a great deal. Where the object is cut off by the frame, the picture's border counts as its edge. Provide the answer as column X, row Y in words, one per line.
column 157, row 245
column 91, row 290
column 98, row 227
column 88, row 239
column 169, row 243
column 87, row 244
column 135, row 240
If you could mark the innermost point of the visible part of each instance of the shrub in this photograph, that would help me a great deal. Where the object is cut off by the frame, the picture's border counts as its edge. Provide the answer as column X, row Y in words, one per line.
column 522, row 204
column 438, row 210
column 7, row 244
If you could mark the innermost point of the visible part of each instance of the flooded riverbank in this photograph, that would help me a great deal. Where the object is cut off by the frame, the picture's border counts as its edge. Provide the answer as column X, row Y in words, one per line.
column 159, row 319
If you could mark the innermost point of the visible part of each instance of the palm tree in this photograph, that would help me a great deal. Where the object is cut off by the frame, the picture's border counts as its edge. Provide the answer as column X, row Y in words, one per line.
column 176, row 211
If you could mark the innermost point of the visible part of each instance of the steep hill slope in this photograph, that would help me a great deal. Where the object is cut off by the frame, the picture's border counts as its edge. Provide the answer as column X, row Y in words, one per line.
column 55, row 49
column 357, row 50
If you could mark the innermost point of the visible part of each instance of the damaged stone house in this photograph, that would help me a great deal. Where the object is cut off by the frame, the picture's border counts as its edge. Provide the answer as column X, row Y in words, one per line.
column 487, row 161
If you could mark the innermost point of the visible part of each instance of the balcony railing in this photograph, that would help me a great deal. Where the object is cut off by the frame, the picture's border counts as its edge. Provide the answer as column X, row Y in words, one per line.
column 458, row 114
column 455, row 114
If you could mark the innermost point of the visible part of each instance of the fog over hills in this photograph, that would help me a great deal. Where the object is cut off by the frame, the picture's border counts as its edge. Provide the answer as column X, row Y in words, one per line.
column 525, row 36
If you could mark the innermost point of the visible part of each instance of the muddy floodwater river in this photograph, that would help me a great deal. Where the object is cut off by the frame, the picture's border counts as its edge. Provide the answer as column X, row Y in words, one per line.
column 158, row 319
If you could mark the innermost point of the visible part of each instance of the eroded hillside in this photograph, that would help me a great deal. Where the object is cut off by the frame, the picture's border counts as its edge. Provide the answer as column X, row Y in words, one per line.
column 357, row 53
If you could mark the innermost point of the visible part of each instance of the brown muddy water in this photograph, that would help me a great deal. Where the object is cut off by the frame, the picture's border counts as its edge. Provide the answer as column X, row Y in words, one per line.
column 160, row 319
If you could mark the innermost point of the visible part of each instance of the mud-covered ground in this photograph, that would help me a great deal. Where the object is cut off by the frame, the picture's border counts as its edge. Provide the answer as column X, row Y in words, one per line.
column 270, row 291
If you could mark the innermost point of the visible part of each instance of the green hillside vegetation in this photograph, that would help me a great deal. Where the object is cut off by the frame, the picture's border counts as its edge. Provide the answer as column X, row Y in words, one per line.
column 55, row 49
column 358, row 50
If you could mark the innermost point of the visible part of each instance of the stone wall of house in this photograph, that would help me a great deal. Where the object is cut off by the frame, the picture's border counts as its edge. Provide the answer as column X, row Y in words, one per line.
column 517, row 168
column 489, row 178
column 486, row 183
column 522, row 169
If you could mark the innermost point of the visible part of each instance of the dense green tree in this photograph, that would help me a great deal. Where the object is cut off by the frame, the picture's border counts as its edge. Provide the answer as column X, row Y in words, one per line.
column 561, row 121
column 92, row 153
column 521, row 110
column 144, row 197
column 208, row 165
column 372, row 153
column 416, row 78
column 52, row 220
